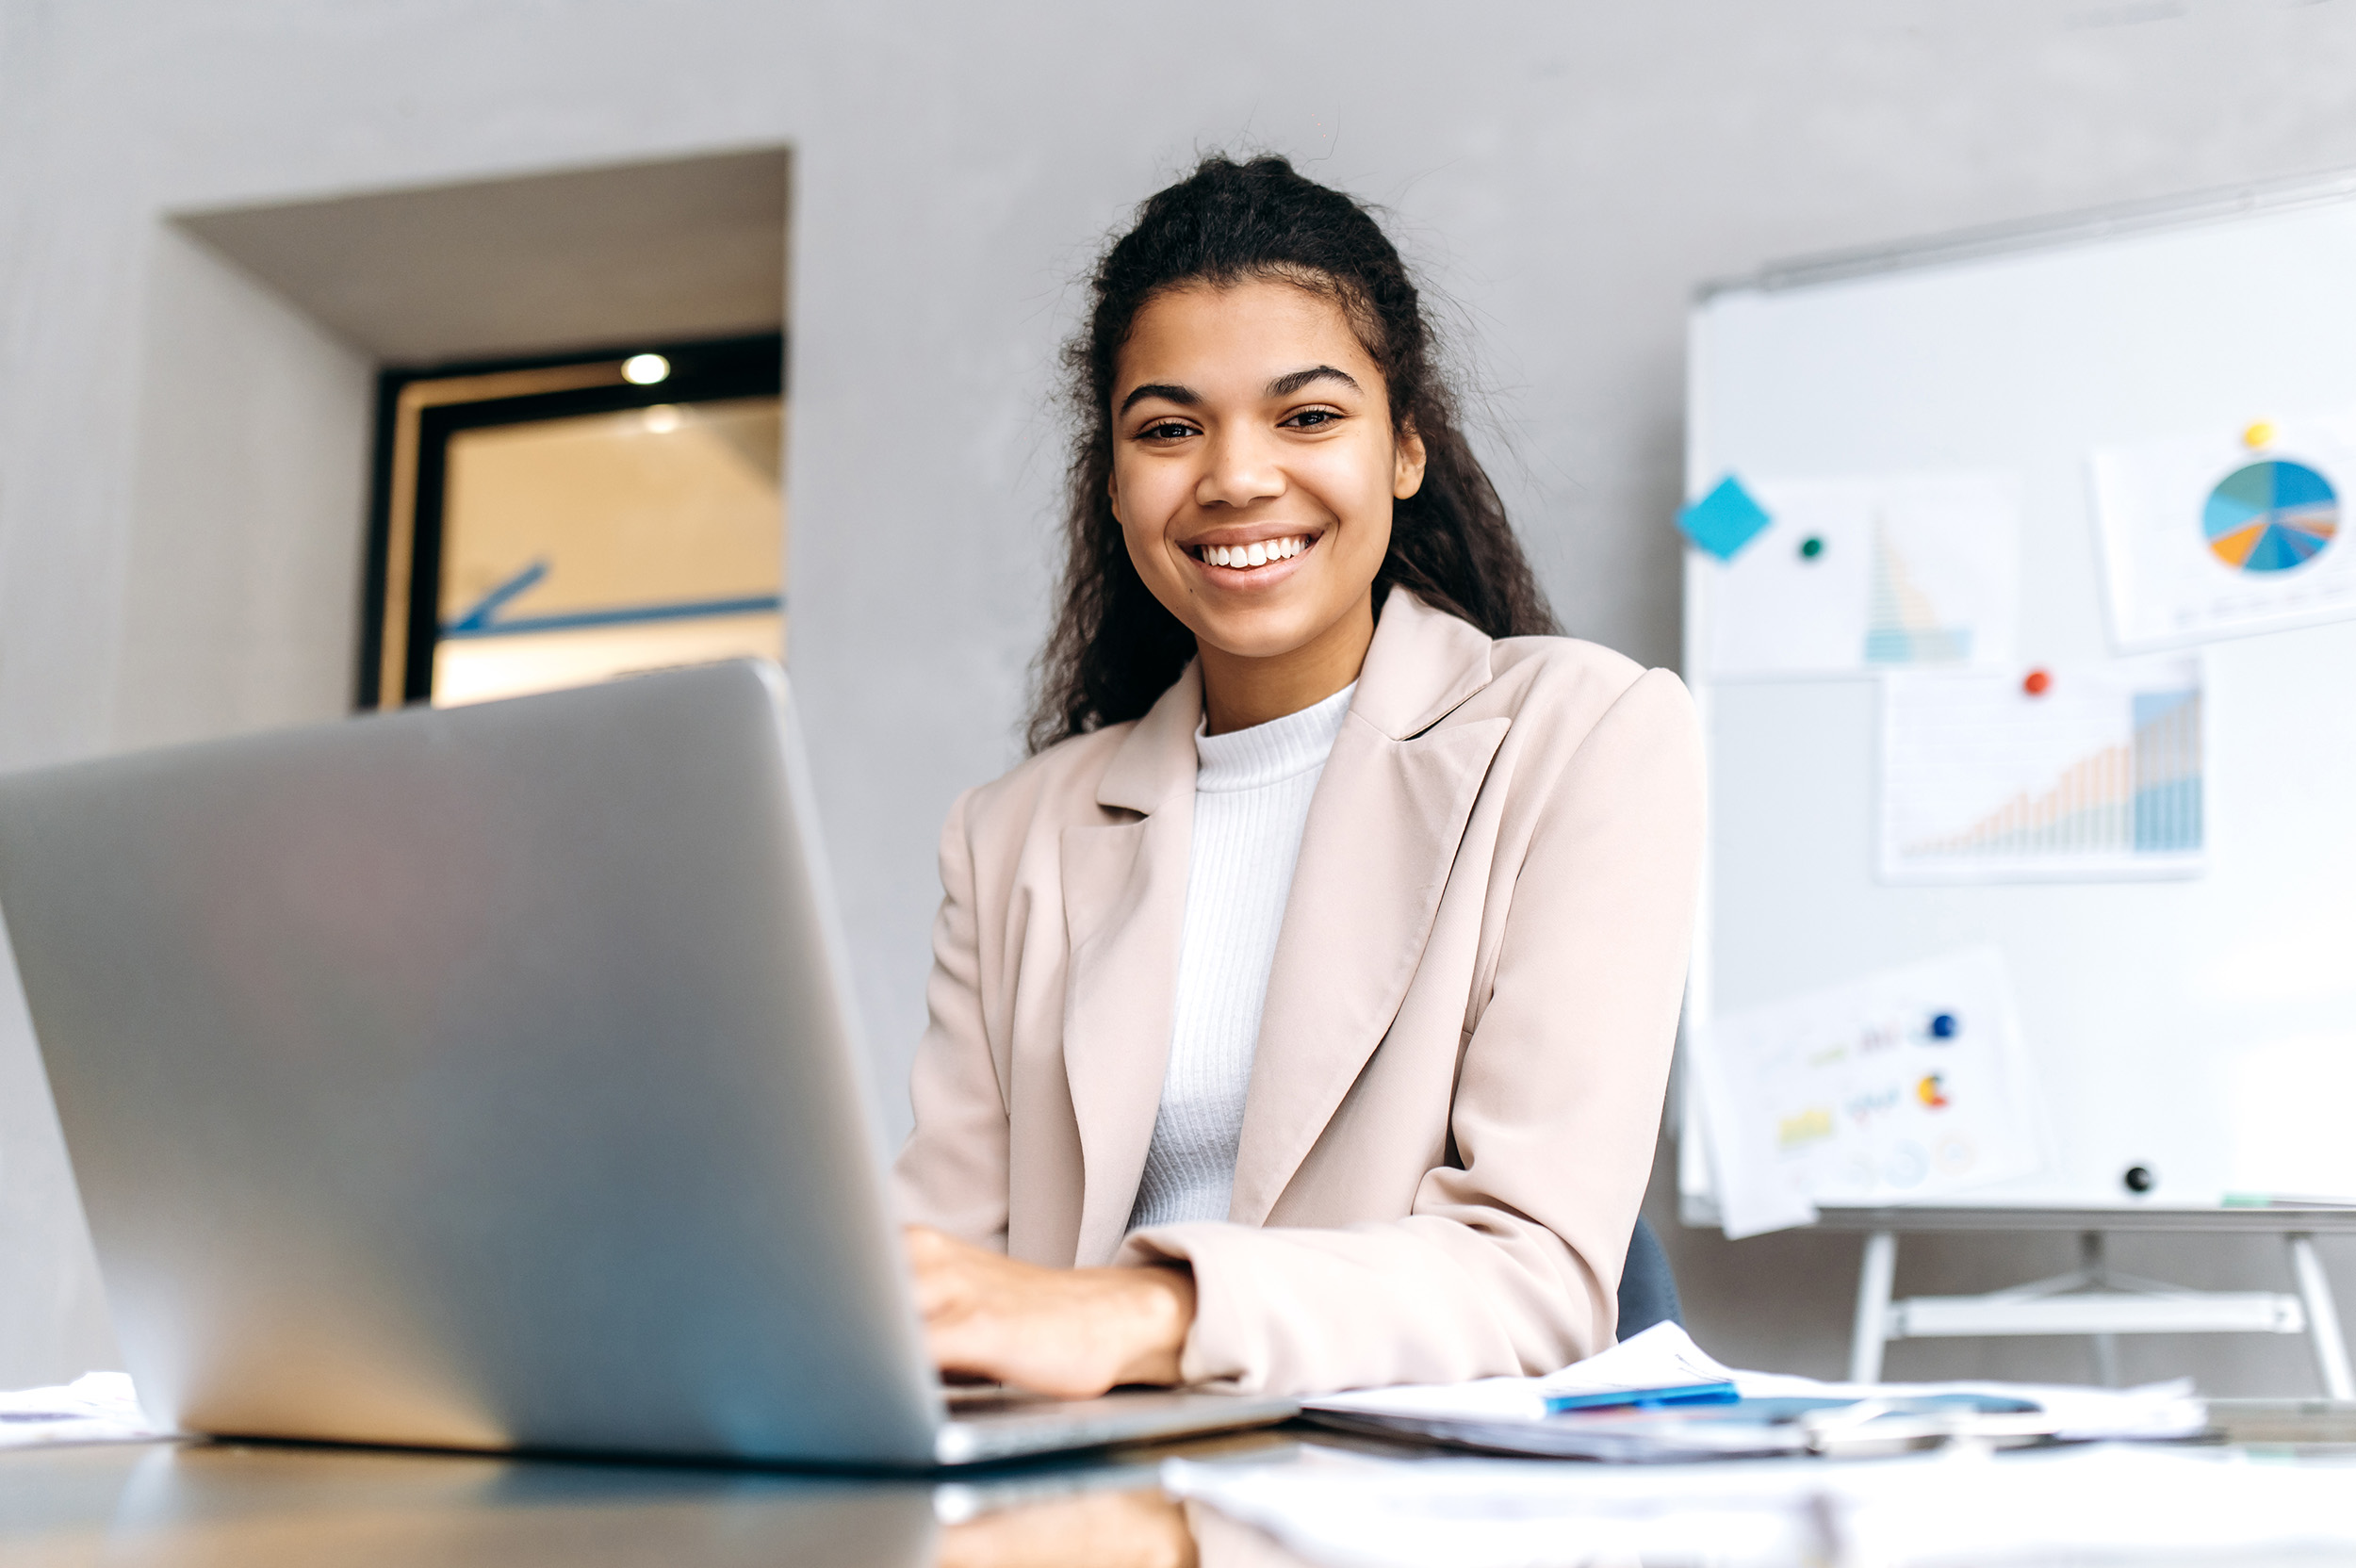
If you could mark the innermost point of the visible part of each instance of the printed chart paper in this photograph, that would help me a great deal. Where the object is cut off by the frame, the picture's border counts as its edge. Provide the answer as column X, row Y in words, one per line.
column 1853, row 575
column 1908, row 1084
column 2099, row 775
column 2204, row 536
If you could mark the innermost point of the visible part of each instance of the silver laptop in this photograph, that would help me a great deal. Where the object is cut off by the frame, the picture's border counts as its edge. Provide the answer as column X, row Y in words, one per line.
column 488, row 1078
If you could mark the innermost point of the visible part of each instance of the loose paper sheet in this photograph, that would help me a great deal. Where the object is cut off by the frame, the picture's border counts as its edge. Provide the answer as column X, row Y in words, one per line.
column 1908, row 1084
column 1663, row 1356
column 1857, row 575
column 2100, row 775
column 96, row 1407
column 2205, row 536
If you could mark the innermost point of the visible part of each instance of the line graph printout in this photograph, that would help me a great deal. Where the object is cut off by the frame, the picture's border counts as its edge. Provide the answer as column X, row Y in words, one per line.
column 2098, row 774
column 2210, row 537
column 1904, row 1084
column 1857, row 575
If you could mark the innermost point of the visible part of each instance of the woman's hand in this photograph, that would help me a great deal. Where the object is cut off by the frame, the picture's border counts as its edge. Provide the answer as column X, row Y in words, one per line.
column 1071, row 1332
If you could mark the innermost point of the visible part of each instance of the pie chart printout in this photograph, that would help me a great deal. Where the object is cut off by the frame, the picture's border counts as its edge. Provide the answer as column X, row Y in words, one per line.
column 2270, row 517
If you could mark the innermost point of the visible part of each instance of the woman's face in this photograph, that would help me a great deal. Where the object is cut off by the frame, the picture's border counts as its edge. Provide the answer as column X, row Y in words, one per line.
column 1255, row 464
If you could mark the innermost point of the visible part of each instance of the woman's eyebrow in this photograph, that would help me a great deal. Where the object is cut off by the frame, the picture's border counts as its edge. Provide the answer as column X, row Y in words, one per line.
column 1285, row 385
column 1185, row 397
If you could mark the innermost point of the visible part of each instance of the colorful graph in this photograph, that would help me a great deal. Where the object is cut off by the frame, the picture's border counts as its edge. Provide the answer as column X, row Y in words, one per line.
column 1902, row 626
column 2142, row 797
column 2095, row 772
column 2270, row 517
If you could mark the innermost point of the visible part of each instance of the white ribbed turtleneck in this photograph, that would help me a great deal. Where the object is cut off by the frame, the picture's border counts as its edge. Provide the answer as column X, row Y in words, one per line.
column 1251, row 794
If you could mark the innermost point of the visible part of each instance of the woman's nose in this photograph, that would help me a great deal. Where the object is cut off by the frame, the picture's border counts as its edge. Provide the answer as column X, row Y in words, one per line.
column 1239, row 469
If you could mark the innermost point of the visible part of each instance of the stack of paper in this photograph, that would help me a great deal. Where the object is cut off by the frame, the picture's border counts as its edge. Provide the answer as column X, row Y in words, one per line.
column 96, row 1407
column 2100, row 1503
column 1518, row 1416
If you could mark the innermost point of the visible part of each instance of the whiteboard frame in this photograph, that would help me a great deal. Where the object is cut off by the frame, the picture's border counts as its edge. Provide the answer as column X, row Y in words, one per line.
column 2219, row 206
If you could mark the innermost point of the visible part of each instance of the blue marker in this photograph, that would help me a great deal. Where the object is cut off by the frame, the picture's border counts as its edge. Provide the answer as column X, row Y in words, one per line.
column 1944, row 1027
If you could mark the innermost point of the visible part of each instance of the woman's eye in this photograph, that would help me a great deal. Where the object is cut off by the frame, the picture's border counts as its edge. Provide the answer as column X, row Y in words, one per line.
column 1167, row 429
column 1310, row 418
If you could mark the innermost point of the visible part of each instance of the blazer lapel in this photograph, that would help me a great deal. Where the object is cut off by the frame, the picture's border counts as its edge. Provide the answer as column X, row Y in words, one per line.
column 1380, row 841
column 1125, row 897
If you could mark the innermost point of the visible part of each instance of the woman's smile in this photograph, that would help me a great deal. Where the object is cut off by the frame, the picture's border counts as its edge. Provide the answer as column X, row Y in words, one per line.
column 1241, row 561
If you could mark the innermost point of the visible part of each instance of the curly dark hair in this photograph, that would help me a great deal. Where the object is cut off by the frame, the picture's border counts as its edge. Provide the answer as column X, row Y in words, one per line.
column 1115, row 649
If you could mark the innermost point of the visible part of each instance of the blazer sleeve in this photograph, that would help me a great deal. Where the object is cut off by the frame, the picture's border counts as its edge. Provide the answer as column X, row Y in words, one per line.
column 1509, row 1260
column 951, row 1173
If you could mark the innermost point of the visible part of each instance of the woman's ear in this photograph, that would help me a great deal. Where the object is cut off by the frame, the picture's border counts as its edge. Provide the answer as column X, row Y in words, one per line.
column 1407, row 458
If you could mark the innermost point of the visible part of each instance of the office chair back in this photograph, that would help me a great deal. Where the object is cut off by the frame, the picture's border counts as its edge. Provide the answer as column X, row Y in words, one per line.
column 1649, row 1291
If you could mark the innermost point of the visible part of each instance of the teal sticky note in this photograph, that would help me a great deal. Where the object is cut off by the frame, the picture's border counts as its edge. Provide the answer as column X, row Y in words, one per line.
column 1725, row 521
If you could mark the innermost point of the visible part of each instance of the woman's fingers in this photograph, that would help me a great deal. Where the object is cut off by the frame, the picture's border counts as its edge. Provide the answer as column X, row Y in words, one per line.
column 932, row 1267
column 960, row 1309
column 1071, row 1332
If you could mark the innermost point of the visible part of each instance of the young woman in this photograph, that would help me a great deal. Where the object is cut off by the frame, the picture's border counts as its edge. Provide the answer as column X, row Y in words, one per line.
column 1301, row 1009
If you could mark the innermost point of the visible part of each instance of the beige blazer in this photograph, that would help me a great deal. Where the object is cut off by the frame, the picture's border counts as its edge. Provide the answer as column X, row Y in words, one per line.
column 1467, row 1031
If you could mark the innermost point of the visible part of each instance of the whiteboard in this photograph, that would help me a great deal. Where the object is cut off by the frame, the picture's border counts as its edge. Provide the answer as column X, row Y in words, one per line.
column 2173, row 1024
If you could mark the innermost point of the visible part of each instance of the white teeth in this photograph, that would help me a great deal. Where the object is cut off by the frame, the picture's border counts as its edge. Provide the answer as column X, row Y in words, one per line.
column 1258, row 554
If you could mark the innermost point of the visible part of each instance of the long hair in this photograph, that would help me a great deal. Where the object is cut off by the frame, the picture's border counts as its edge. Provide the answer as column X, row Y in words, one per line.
column 1115, row 649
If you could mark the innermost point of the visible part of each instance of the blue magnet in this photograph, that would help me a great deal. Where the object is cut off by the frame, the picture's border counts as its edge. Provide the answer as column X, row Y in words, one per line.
column 1725, row 521
column 1944, row 1027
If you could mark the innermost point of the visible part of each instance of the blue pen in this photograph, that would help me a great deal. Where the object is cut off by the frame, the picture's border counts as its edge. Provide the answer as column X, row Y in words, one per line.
column 1720, row 1392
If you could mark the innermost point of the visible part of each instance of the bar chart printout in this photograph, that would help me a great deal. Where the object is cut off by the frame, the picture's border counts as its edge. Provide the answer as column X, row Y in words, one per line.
column 1866, row 573
column 2097, row 775
column 1903, row 625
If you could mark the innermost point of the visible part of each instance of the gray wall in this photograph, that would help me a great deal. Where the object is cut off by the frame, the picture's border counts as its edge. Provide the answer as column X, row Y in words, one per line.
column 1566, row 173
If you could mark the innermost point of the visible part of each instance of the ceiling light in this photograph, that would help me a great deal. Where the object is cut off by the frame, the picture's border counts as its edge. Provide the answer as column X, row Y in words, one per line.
column 646, row 369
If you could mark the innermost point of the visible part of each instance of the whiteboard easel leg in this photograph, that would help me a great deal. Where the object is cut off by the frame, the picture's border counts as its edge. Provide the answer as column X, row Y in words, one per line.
column 2323, row 1318
column 2105, row 1359
column 2095, row 1265
column 1871, row 1333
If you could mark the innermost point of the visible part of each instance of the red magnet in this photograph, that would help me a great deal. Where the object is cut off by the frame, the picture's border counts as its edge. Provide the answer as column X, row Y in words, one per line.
column 2036, row 683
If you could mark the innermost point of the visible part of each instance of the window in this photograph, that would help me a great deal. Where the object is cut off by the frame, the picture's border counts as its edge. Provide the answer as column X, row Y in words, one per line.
column 550, row 523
